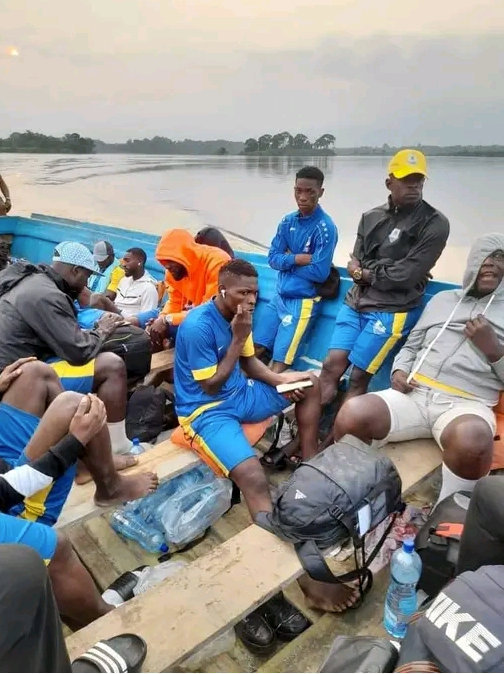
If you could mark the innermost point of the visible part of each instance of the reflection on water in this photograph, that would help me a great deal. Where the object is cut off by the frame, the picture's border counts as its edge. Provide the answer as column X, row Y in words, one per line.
column 246, row 195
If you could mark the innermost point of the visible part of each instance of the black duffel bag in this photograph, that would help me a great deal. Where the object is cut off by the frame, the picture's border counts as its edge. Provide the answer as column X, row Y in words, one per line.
column 322, row 502
column 438, row 542
column 329, row 289
column 134, row 346
column 361, row 654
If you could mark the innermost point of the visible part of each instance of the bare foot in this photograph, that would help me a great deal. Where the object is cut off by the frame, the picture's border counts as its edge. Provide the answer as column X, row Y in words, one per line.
column 127, row 488
column 335, row 598
column 121, row 462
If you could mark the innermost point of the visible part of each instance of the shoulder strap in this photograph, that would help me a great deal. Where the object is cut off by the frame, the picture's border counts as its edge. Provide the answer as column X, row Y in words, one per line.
column 316, row 567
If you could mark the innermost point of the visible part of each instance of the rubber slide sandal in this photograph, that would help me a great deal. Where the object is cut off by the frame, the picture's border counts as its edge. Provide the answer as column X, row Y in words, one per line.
column 122, row 588
column 123, row 653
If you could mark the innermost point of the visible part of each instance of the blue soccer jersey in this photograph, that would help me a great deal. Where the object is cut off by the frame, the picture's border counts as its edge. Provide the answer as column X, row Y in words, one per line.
column 202, row 342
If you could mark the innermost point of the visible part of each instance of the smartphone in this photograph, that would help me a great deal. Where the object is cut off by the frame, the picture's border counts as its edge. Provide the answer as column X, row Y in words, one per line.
column 302, row 383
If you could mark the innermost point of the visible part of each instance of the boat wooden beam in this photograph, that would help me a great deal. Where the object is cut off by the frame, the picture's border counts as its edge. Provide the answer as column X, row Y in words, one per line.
column 202, row 601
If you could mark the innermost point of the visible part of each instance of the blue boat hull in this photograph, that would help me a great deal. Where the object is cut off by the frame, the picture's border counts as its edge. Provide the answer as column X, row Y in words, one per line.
column 35, row 238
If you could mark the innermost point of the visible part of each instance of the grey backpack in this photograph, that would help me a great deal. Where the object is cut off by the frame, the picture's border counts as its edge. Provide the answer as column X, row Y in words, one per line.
column 321, row 504
column 463, row 628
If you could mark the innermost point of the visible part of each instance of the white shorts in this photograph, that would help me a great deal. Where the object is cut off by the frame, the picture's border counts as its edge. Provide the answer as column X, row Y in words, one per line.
column 424, row 413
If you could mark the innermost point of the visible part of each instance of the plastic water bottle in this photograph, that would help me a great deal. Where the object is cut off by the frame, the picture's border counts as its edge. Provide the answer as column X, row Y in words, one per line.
column 189, row 513
column 150, row 506
column 132, row 526
column 401, row 599
column 137, row 447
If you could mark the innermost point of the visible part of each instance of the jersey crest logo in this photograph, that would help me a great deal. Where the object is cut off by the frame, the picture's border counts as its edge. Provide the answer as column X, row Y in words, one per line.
column 394, row 235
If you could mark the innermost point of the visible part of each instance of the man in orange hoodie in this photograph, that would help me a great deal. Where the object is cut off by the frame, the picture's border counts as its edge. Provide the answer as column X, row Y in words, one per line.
column 192, row 272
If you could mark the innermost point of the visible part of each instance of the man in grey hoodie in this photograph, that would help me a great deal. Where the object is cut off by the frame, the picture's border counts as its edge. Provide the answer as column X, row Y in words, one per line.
column 447, row 377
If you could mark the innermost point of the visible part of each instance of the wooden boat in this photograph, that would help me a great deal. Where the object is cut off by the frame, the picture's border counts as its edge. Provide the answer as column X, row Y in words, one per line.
column 237, row 566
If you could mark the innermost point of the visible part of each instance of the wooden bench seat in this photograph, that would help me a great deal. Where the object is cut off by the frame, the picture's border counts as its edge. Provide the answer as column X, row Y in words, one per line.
column 161, row 363
column 218, row 589
column 166, row 459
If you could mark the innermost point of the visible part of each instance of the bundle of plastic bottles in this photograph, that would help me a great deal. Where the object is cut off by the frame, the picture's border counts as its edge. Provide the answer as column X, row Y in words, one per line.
column 178, row 512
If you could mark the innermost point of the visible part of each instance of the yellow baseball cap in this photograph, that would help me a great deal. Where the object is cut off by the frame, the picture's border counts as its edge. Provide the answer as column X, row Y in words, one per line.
column 406, row 162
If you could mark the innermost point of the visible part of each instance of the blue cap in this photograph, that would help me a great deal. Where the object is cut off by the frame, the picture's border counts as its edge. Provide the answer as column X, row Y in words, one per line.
column 409, row 544
column 71, row 252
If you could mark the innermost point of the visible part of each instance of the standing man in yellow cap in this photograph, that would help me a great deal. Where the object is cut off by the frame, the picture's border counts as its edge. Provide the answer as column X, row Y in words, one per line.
column 396, row 247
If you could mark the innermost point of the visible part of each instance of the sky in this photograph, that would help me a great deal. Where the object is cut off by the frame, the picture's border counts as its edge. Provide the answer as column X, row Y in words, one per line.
column 367, row 71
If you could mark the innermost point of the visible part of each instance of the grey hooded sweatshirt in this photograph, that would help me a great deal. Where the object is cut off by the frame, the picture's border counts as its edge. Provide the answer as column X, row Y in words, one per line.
column 453, row 360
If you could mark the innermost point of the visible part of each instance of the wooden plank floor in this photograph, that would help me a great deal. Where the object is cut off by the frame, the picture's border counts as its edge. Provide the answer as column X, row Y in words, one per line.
column 222, row 586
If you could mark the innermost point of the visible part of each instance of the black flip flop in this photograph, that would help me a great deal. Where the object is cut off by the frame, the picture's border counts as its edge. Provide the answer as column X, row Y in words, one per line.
column 123, row 653
column 274, row 459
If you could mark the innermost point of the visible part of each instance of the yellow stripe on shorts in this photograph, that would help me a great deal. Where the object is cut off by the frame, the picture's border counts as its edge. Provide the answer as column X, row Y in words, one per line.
column 63, row 369
column 205, row 448
column 303, row 321
column 397, row 328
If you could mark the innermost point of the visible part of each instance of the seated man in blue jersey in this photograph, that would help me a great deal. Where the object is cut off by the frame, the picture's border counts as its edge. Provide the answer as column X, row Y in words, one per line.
column 213, row 395
column 39, row 447
column 302, row 252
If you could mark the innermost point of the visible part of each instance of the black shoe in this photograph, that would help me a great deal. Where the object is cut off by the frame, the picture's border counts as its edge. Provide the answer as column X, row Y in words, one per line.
column 284, row 618
column 256, row 634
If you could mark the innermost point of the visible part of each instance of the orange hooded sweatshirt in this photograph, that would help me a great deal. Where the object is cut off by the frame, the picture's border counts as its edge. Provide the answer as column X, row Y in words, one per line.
column 202, row 263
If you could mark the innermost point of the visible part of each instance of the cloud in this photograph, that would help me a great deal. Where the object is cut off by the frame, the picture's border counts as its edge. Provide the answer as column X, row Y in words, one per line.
column 126, row 76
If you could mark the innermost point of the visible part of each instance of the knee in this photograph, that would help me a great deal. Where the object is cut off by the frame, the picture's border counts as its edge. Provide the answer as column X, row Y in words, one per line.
column 353, row 418
column 110, row 365
column 67, row 402
column 37, row 370
column 468, row 445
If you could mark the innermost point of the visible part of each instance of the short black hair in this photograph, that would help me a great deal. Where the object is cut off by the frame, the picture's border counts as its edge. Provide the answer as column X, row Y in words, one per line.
column 311, row 173
column 139, row 253
column 238, row 267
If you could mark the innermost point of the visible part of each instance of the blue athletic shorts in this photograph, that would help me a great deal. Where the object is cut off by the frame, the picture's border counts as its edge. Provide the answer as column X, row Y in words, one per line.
column 218, row 430
column 370, row 336
column 38, row 536
column 77, row 378
column 16, row 430
column 284, row 323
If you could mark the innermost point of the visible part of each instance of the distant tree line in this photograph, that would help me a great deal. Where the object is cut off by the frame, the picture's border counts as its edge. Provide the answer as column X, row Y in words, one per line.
column 285, row 143
column 162, row 145
column 387, row 150
column 29, row 141
column 278, row 144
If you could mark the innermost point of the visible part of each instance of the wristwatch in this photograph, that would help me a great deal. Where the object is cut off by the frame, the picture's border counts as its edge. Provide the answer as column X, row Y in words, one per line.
column 357, row 274
column 168, row 318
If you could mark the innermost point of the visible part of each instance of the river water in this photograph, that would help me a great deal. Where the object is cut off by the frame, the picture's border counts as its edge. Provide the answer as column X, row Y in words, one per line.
column 247, row 195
